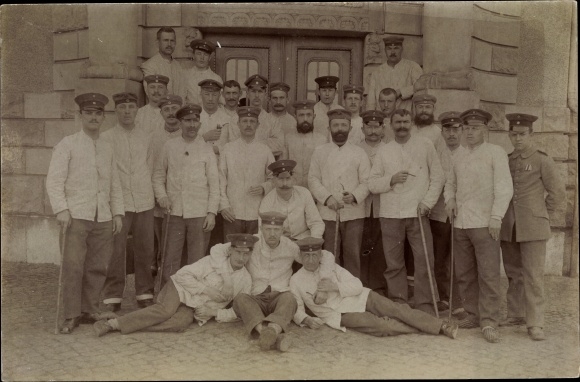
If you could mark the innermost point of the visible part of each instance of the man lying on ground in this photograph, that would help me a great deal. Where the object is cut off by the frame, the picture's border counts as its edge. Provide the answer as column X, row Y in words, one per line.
column 206, row 286
column 349, row 305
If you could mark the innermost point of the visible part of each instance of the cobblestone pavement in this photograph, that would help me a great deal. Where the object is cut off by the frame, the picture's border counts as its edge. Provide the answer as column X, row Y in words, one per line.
column 31, row 351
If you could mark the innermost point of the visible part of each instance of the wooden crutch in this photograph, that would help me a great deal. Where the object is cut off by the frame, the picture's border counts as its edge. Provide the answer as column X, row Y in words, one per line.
column 428, row 264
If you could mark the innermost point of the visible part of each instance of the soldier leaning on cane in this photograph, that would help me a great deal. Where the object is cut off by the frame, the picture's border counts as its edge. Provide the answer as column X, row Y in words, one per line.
column 526, row 226
column 86, row 196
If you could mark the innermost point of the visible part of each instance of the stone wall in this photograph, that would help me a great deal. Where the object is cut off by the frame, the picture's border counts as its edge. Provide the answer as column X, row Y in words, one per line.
column 519, row 53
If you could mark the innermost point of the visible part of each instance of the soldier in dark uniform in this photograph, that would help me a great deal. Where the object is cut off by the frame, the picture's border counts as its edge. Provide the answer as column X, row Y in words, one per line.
column 526, row 226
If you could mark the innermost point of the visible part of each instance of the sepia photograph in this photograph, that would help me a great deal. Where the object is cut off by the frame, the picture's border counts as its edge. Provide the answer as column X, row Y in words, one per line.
column 289, row 191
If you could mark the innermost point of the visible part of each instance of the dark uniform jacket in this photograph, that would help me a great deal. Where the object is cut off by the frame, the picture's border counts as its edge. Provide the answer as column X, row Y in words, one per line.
column 533, row 174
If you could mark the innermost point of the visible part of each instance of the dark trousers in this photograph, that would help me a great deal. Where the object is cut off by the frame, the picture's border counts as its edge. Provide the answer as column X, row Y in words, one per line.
column 394, row 232
column 477, row 262
column 268, row 306
column 373, row 263
column 143, row 244
column 88, row 250
column 197, row 241
column 441, row 233
column 350, row 238
column 384, row 317
column 240, row 226
column 165, row 306
column 524, row 267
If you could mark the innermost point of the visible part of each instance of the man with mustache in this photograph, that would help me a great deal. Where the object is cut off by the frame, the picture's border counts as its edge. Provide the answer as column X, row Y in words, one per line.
column 149, row 117
column 168, row 106
column 424, row 117
column 163, row 63
column 451, row 131
column 352, row 95
column 327, row 93
column 202, row 51
column 213, row 118
column 338, row 178
column 373, row 129
column 293, row 201
column 269, row 307
column 232, row 93
column 526, row 225
column 244, row 175
column 397, row 73
column 81, row 164
column 388, row 104
column 300, row 144
column 408, row 176
column 477, row 195
column 186, row 183
column 279, row 103
column 134, row 161
column 206, row 287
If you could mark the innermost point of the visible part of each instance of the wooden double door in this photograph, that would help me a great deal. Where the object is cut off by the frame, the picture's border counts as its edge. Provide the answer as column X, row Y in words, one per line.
column 296, row 61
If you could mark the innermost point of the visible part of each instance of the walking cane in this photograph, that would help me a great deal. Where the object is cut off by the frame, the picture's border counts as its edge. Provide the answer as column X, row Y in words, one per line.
column 163, row 248
column 336, row 233
column 63, row 232
column 428, row 264
column 451, row 275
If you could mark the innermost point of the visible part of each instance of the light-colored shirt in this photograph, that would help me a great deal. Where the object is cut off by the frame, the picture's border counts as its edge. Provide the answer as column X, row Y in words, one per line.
column 401, row 77
column 286, row 121
column 187, row 173
column 418, row 157
column 149, row 118
column 356, row 134
column 241, row 166
column 268, row 132
column 373, row 201
column 335, row 169
column 303, row 219
column 299, row 147
column 157, row 140
column 168, row 68
column 273, row 266
column 447, row 158
column 351, row 296
column 321, row 118
column 433, row 133
column 134, row 162
column 481, row 185
column 191, row 280
column 192, row 77
column 83, row 178
column 211, row 121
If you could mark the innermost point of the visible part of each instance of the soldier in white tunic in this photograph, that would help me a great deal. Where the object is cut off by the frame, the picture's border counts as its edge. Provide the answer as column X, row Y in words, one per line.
column 338, row 178
column 327, row 93
column 278, row 105
column 352, row 95
column 149, row 116
column 202, row 51
column 300, row 145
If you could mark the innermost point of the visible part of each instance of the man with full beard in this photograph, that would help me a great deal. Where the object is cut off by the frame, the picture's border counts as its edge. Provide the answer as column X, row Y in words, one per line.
column 338, row 178
column 408, row 176
column 300, row 145
column 424, row 117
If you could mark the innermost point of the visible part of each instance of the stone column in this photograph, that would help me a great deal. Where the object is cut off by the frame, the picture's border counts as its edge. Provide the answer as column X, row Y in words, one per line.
column 113, row 46
column 447, row 30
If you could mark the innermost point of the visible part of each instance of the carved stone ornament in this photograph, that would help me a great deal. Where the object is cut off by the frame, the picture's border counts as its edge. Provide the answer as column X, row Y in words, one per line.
column 191, row 34
column 374, row 51
column 458, row 80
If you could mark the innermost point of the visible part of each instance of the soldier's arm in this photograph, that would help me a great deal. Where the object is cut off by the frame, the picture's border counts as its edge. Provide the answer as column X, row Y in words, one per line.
column 57, row 175
column 348, row 285
column 556, row 198
column 379, row 179
column 116, row 197
column 503, row 188
column 300, row 314
column 213, row 183
column 159, row 177
column 362, row 190
column 416, row 72
column 436, row 178
column 319, row 192
column 313, row 219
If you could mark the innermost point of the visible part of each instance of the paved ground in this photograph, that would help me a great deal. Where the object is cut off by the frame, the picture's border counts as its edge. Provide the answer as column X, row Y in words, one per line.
column 30, row 350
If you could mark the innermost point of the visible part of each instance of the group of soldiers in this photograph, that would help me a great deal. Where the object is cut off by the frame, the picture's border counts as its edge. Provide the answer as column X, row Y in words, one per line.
column 312, row 188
